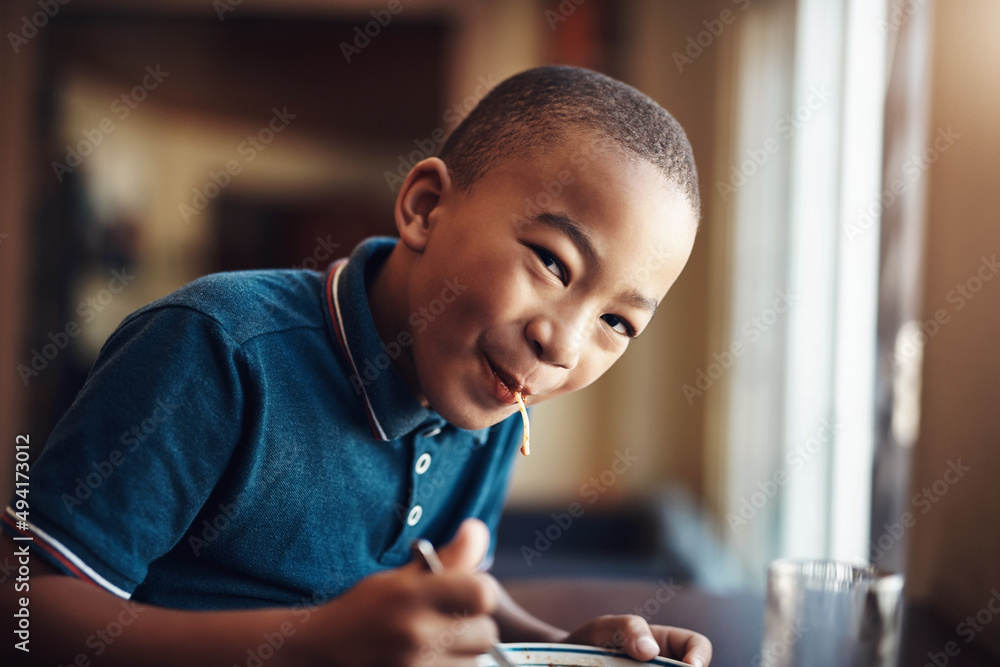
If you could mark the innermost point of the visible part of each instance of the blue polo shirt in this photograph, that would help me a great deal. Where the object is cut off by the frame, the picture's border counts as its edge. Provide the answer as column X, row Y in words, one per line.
column 247, row 442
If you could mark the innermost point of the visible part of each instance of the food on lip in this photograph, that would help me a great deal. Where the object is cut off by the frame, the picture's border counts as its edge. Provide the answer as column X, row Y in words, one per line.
column 525, row 449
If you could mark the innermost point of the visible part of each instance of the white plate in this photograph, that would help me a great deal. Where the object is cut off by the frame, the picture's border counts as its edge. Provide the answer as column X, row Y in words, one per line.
column 567, row 655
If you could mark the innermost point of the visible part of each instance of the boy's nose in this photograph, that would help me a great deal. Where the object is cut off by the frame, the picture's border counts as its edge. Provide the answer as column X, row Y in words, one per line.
column 556, row 341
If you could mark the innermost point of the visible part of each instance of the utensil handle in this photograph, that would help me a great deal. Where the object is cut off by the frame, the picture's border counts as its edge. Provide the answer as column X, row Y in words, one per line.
column 424, row 551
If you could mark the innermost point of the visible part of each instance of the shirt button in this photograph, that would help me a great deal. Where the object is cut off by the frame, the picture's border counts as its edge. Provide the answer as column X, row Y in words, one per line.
column 414, row 516
column 423, row 463
column 430, row 433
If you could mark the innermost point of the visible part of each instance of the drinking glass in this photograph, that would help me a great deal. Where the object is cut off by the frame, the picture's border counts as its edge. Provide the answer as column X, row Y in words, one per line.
column 824, row 612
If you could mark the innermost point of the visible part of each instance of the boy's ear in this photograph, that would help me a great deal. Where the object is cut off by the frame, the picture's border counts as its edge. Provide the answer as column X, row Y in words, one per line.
column 419, row 196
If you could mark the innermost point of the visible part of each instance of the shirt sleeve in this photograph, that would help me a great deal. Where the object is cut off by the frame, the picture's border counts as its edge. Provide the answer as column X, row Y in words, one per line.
column 140, row 450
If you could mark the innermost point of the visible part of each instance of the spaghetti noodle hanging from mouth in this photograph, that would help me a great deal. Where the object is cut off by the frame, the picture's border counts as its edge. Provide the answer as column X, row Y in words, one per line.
column 525, row 448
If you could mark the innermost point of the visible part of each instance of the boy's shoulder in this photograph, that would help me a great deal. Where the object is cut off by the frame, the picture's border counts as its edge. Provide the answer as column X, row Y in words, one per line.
column 247, row 304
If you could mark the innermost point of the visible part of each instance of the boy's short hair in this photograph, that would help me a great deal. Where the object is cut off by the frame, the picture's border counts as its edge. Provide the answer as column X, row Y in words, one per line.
column 532, row 110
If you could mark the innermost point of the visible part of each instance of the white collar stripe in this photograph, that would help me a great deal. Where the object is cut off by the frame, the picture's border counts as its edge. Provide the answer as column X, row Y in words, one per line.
column 347, row 349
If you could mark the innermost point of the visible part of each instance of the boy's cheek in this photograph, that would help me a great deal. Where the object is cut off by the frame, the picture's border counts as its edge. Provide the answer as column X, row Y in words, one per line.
column 585, row 373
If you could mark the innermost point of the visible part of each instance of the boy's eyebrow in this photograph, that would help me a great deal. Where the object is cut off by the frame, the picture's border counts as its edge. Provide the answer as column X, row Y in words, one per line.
column 572, row 229
column 637, row 300
column 579, row 238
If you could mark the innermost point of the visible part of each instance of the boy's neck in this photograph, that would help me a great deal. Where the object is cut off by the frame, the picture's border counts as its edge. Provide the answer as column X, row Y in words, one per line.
column 387, row 299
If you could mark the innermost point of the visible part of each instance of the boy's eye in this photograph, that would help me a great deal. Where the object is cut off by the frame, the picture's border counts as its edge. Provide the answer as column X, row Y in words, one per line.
column 619, row 325
column 552, row 264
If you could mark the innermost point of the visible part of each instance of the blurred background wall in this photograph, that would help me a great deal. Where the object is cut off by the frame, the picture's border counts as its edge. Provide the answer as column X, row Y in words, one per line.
column 144, row 145
column 954, row 555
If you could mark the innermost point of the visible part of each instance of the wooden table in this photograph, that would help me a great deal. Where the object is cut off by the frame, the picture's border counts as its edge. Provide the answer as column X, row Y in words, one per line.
column 733, row 622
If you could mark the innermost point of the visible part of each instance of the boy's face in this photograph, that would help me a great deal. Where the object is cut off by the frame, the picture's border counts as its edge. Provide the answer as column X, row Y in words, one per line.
column 537, row 278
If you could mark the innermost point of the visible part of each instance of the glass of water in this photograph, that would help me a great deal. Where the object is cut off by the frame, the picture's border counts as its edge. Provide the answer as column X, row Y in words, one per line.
column 825, row 612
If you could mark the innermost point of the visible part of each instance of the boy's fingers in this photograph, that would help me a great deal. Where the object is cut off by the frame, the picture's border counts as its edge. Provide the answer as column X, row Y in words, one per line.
column 469, row 635
column 460, row 593
column 644, row 647
column 468, row 548
column 699, row 651
column 635, row 637
column 695, row 648
column 457, row 640
column 453, row 640
column 620, row 632
column 644, row 642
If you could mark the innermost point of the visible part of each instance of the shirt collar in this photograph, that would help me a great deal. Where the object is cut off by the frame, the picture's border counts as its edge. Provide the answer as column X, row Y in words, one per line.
column 391, row 408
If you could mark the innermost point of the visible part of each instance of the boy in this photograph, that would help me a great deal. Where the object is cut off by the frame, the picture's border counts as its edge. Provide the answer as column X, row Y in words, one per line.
column 263, row 447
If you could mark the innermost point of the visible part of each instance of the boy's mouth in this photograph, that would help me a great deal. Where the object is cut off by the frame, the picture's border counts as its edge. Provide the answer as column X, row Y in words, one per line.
column 505, row 384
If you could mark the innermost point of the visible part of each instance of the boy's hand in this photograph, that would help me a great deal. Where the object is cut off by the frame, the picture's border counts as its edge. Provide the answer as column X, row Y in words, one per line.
column 642, row 641
column 409, row 616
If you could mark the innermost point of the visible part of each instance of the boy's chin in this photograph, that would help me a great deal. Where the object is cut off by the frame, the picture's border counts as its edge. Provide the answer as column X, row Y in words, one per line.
column 472, row 424
column 470, row 420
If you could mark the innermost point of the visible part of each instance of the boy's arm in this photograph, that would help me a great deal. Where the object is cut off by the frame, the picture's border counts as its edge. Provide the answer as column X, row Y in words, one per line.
column 71, row 622
column 516, row 624
column 395, row 617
